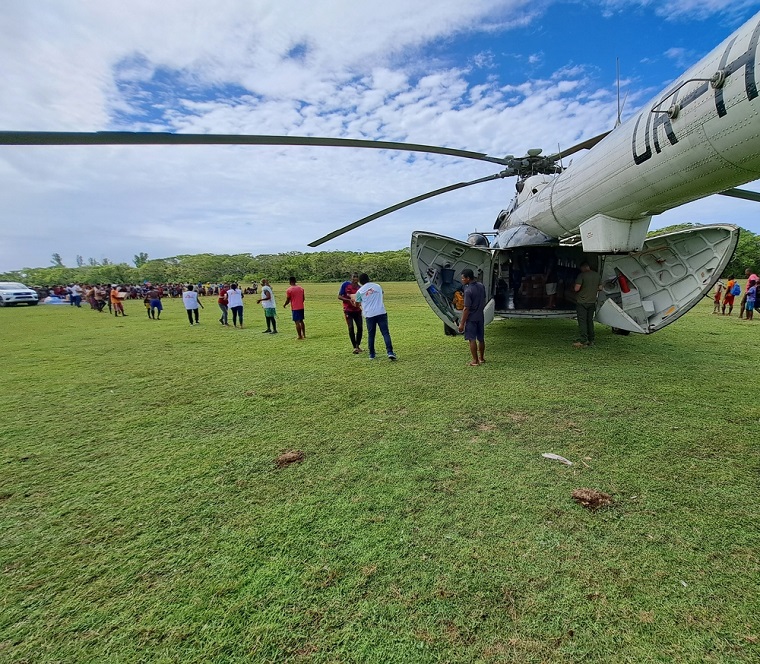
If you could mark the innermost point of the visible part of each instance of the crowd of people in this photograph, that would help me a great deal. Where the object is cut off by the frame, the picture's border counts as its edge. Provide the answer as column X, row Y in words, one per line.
column 362, row 299
column 363, row 304
column 725, row 295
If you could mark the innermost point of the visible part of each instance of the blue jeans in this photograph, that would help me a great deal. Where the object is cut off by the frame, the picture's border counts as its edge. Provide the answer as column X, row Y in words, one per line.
column 223, row 319
column 373, row 322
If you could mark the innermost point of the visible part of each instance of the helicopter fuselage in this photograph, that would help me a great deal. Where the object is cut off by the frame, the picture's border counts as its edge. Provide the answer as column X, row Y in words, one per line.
column 699, row 136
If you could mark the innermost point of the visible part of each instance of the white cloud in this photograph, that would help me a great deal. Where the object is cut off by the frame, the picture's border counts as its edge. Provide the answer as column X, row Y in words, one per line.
column 290, row 67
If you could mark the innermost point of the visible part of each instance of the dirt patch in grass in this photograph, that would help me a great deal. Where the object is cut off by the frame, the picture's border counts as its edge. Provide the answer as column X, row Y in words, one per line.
column 288, row 457
column 591, row 498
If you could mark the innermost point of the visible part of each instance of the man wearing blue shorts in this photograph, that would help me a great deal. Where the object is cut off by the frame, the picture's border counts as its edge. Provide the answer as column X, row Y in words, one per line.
column 295, row 298
column 472, row 322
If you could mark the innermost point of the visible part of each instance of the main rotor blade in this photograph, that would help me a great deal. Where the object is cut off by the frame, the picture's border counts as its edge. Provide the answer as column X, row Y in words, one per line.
column 164, row 138
column 742, row 193
column 585, row 145
column 399, row 206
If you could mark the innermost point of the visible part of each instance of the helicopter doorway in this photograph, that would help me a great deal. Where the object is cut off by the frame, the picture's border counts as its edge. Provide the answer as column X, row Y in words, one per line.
column 538, row 282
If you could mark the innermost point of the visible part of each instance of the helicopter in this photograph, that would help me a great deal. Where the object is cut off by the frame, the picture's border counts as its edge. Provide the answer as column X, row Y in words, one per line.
column 700, row 136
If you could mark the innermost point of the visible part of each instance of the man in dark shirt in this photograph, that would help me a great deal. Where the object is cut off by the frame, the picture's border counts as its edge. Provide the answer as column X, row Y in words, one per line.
column 472, row 322
column 587, row 286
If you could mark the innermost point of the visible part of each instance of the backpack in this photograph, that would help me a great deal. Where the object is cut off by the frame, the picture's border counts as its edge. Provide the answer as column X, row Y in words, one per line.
column 737, row 289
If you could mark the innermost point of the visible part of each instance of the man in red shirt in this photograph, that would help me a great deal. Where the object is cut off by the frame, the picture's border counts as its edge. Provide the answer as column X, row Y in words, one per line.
column 352, row 311
column 222, row 302
column 295, row 297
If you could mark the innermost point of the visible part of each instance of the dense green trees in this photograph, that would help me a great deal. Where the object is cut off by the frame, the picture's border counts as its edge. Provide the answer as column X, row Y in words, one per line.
column 319, row 266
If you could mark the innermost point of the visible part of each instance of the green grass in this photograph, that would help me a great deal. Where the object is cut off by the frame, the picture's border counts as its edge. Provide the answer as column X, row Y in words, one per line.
column 143, row 517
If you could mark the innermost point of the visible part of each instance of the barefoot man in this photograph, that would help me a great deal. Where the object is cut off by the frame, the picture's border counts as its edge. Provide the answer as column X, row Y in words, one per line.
column 295, row 298
column 472, row 322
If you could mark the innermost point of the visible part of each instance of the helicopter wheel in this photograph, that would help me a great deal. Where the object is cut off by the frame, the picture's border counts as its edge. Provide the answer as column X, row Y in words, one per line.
column 448, row 331
column 622, row 333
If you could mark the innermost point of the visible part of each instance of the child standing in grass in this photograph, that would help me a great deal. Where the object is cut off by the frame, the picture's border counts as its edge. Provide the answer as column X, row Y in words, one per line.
column 718, row 296
column 749, row 305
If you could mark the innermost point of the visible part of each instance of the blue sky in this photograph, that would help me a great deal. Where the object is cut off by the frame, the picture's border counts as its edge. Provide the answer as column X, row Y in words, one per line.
column 487, row 75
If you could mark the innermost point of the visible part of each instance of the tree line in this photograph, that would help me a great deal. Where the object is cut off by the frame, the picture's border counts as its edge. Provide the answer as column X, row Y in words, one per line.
column 317, row 266
column 222, row 268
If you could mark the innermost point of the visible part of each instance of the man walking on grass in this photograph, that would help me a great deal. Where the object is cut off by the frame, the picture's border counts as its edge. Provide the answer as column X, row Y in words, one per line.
column 191, row 302
column 370, row 296
column 296, row 297
column 472, row 322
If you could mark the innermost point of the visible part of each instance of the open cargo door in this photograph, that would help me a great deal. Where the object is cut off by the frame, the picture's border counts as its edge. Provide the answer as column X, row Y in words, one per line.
column 438, row 262
column 649, row 289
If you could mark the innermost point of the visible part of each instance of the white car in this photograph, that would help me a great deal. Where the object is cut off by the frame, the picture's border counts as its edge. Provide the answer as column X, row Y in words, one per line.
column 13, row 293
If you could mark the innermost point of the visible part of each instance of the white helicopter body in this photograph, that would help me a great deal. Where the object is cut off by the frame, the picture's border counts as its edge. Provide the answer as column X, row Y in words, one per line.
column 699, row 136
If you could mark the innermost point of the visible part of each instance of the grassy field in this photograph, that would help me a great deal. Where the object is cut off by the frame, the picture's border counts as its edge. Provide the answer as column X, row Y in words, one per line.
column 143, row 517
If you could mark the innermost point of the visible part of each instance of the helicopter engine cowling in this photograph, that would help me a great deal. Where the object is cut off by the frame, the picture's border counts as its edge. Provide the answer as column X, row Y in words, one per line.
column 478, row 240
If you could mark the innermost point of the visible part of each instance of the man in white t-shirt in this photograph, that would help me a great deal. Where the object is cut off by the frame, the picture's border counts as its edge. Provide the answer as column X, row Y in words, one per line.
column 75, row 291
column 191, row 302
column 370, row 296
column 235, row 304
column 269, row 305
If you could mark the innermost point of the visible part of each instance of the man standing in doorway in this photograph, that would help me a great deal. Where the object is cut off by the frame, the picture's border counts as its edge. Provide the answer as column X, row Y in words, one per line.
column 352, row 312
column 370, row 296
column 587, row 286
column 295, row 297
column 472, row 322
column 269, row 306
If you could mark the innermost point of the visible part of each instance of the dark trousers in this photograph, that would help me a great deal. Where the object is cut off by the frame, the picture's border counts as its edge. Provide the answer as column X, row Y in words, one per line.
column 586, row 322
column 237, row 312
column 373, row 322
column 190, row 313
column 354, row 318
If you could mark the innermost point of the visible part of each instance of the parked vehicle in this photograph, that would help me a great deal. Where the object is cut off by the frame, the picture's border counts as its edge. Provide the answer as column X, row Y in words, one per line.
column 13, row 293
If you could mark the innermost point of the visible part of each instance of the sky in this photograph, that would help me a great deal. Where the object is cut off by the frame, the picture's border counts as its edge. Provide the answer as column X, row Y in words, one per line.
column 493, row 76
